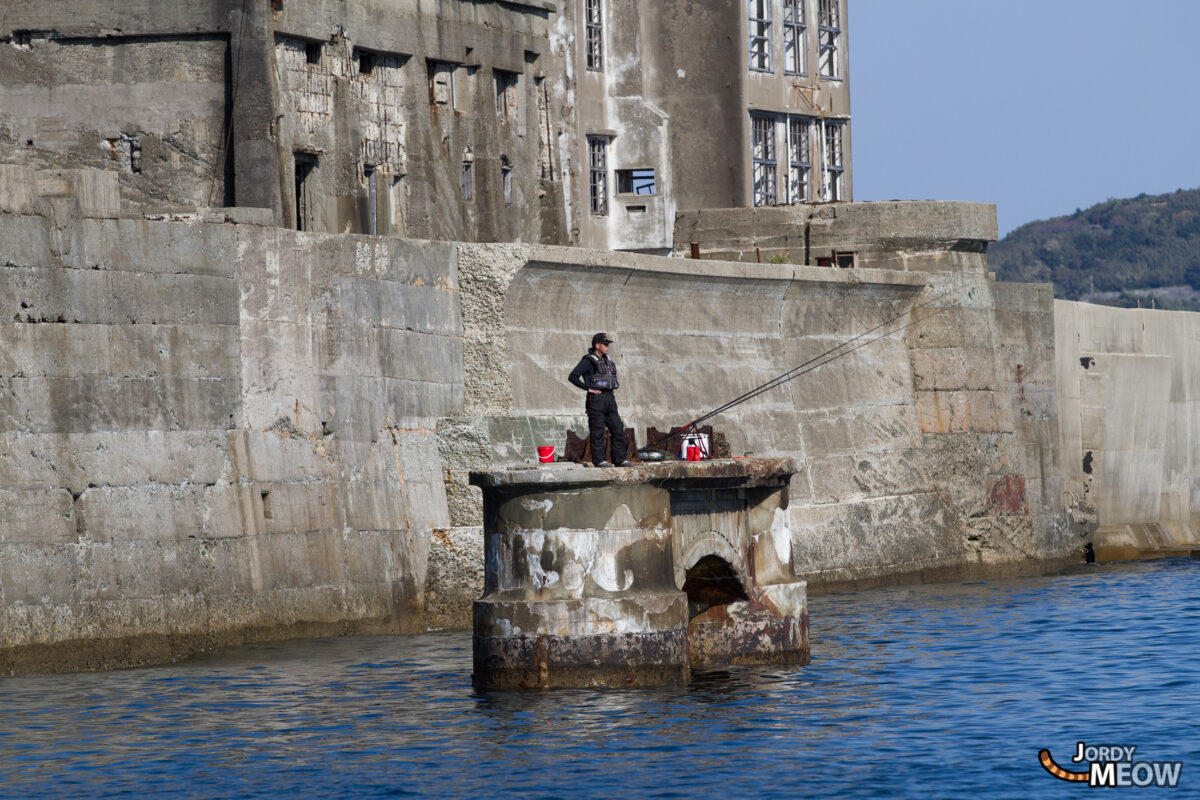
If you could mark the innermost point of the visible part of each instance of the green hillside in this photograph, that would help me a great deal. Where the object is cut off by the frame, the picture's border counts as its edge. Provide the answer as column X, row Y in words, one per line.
column 1120, row 252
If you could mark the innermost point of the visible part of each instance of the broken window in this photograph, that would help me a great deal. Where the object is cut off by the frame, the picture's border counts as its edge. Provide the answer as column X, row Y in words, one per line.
column 506, row 93
column 795, row 38
column 595, row 36
column 829, row 22
column 835, row 161
column 635, row 181
column 441, row 83
column 760, row 35
column 306, row 195
column 598, row 174
column 312, row 52
column 762, row 148
column 506, row 179
column 468, row 175
column 799, row 159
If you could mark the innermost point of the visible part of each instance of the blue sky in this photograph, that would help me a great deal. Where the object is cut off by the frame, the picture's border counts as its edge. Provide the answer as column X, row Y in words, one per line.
column 1039, row 106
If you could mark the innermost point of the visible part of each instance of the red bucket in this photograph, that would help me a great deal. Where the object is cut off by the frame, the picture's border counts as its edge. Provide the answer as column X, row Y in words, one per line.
column 546, row 454
column 693, row 453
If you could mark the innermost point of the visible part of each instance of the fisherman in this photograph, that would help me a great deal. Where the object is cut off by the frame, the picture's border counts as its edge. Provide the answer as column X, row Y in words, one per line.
column 596, row 374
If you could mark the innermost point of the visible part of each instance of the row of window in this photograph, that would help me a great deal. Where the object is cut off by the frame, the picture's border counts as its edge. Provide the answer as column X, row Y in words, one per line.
column 443, row 87
column 468, row 178
column 442, row 77
column 805, row 141
column 795, row 21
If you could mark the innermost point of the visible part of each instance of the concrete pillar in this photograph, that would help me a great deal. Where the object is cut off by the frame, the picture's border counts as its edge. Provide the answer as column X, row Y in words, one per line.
column 628, row 577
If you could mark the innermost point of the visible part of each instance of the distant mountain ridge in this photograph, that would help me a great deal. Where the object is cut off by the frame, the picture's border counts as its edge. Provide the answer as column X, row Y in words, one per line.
column 1120, row 252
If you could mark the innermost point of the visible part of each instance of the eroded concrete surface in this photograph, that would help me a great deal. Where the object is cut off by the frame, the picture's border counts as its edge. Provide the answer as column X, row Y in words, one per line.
column 629, row 576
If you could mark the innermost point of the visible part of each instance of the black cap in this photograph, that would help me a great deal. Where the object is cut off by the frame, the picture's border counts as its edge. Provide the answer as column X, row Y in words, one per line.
column 601, row 338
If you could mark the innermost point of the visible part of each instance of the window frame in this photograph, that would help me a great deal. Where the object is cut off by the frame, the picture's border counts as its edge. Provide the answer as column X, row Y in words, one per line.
column 597, row 147
column 795, row 33
column 506, row 83
column 829, row 39
column 467, row 185
column 764, row 161
column 759, row 31
column 506, row 171
column 593, row 16
column 833, row 160
column 800, row 166
column 638, row 181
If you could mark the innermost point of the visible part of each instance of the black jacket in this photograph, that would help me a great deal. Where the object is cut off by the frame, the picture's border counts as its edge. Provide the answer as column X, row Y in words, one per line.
column 587, row 367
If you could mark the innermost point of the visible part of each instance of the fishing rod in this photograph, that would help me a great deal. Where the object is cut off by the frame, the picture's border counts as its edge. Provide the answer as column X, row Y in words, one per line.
column 817, row 361
column 787, row 376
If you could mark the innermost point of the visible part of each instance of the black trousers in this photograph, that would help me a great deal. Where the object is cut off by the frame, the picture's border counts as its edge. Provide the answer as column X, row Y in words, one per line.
column 601, row 414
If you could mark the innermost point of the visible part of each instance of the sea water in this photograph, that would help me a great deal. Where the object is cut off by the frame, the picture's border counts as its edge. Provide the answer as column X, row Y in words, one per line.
column 945, row 690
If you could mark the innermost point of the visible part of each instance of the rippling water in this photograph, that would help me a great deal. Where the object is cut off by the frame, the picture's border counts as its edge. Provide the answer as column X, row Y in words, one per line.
column 929, row 691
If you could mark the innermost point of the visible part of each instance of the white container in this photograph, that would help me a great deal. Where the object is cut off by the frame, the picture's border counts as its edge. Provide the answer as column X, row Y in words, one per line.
column 699, row 440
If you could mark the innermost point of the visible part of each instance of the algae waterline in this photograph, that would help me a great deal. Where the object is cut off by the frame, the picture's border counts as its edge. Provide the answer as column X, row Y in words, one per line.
column 948, row 689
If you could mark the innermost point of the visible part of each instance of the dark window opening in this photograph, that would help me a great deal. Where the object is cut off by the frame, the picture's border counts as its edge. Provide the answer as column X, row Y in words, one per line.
column 312, row 52
column 306, row 166
column 711, row 582
column 22, row 38
column 372, row 226
column 266, row 505
column 468, row 177
column 506, row 93
column 635, row 181
column 845, row 260
column 366, row 62
column 506, row 179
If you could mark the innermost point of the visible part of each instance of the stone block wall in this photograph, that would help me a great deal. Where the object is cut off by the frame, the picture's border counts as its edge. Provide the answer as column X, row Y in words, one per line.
column 930, row 452
column 213, row 432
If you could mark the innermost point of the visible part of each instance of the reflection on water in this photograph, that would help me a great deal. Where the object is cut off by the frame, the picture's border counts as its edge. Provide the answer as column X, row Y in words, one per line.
column 914, row 691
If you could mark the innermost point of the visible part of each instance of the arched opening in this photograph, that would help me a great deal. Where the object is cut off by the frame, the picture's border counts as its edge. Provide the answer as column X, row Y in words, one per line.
column 711, row 582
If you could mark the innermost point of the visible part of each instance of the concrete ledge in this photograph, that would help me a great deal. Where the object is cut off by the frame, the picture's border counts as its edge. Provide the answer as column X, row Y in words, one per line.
column 744, row 472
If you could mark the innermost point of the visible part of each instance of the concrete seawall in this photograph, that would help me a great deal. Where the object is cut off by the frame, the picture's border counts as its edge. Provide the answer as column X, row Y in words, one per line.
column 213, row 431
column 1129, row 391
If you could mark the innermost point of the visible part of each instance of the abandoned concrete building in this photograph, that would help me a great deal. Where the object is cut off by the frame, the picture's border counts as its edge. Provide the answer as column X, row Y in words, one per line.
column 583, row 122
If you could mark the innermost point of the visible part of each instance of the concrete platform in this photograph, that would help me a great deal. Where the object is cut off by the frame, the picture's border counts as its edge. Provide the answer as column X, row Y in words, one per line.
column 631, row 576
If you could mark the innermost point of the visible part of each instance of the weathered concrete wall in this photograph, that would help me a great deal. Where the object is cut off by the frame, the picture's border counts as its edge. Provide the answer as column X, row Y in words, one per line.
column 154, row 110
column 1129, row 392
column 899, row 235
column 209, row 103
column 213, row 432
column 933, row 452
